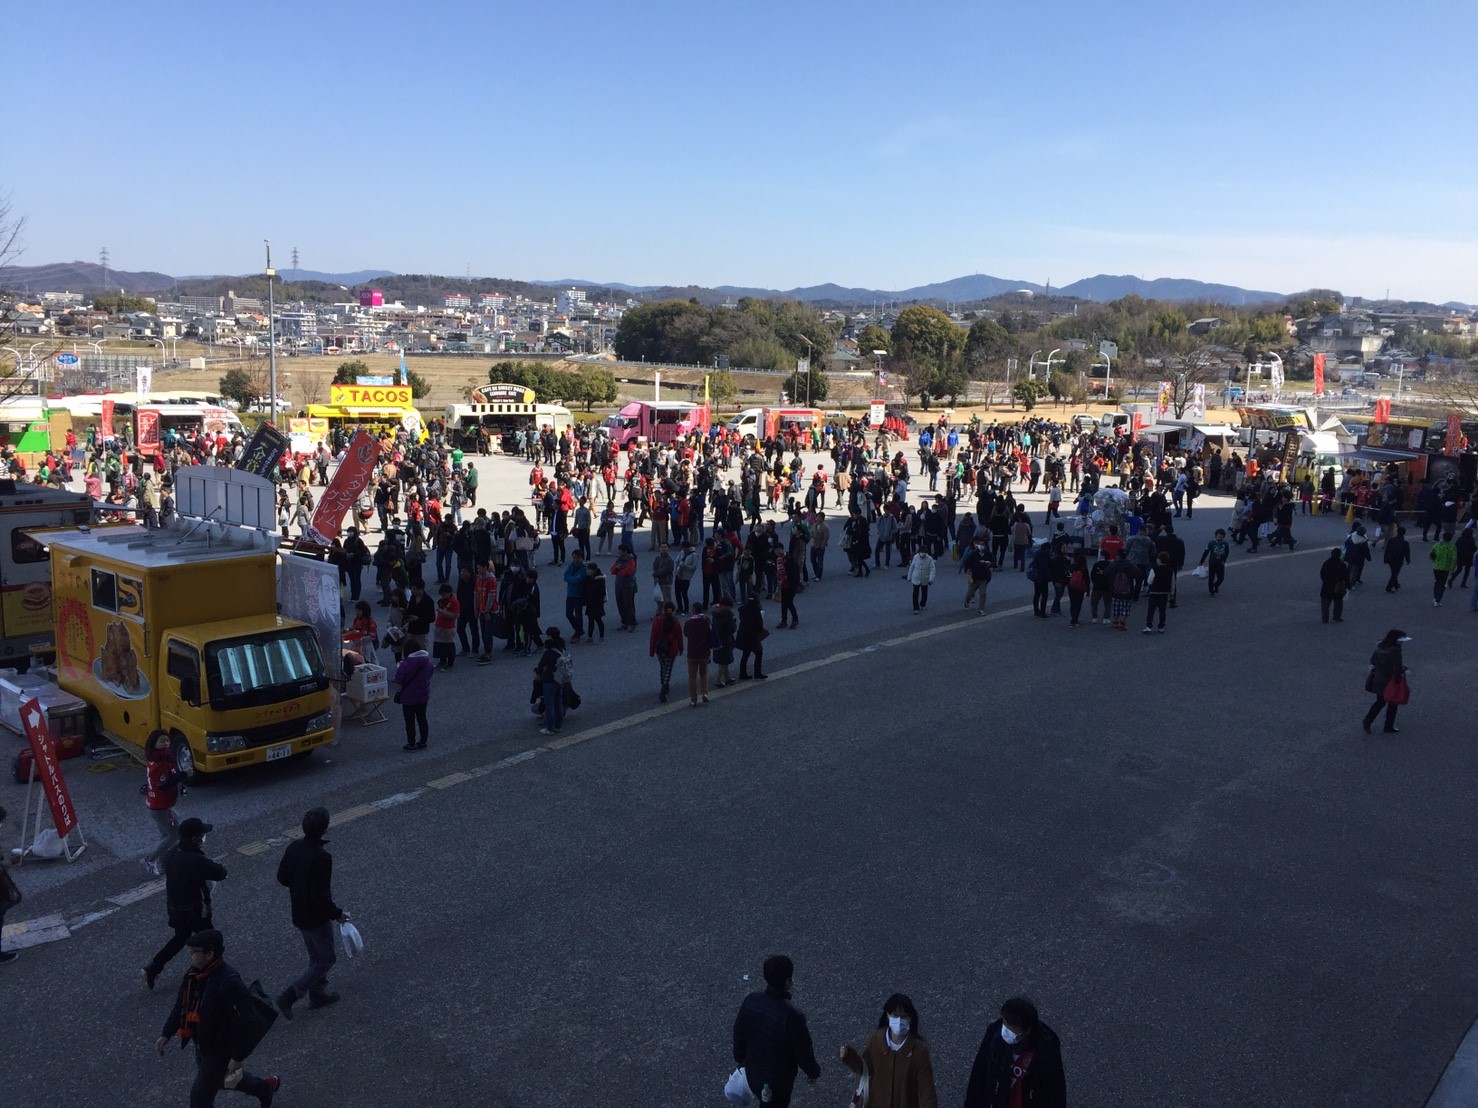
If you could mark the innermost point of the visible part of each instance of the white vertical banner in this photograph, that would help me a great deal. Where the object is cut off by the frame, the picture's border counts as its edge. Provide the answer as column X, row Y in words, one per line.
column 1198, row 402
column 1277, row 376
column 143, row 380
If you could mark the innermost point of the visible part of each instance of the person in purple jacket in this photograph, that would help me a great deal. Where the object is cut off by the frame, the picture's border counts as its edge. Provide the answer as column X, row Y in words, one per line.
column 413, row 675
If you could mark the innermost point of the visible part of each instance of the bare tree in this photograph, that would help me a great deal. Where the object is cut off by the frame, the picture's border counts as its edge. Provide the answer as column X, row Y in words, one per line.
column 1455, row 389
column 1200, row 366
column 310, row 388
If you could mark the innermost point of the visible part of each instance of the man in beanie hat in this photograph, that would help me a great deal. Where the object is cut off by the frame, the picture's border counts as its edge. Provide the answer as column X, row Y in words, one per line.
column 307, row 870
column 187, row 877
column 209, row 1012
column 771, row 1039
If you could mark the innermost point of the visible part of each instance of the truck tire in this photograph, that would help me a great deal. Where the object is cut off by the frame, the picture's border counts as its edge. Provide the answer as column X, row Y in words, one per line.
column 184, row 757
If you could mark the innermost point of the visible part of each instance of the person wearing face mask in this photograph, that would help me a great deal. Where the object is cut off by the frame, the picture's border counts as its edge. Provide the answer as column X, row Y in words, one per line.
column 896, row 1059
column 1019, row 1064
column 771, row 1040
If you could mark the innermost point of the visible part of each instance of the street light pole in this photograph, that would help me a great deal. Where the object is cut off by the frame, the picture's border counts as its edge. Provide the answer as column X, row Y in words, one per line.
column 271, row 338
column 809, row 349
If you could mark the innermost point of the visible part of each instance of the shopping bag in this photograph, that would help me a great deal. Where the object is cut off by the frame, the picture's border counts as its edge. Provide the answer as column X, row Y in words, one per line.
column 353, row 941
column 736, row 1089
column 1397, row 691
column 1200, row 571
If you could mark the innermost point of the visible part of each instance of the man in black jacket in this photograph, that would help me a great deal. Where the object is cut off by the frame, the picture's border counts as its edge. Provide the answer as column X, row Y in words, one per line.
column 771, row 1040
column 187, row 876
column 214, row 1011
column 307, row 870
column 1334, row 582
column 1018, row 1048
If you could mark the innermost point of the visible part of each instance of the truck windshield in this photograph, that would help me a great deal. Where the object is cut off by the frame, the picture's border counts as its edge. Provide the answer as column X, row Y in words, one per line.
column 263, row 669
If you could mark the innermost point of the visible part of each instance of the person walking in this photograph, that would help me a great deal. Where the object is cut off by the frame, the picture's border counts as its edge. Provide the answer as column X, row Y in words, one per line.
column 1397, row 555
column 162, row 780
column 307, row 872
column 1214, row 558
column 896, row 1059
column 750, row 638
column 1077, row 589
column 771, row 1040
column 413, row 675
column 207, row 1012
column 555, row 671
column 1357, row 552
column 1334, row 582
column 1386, row 664
column 1467, row 548
column 188, row 875
column 665, row 643
column 921, row 572
column 1019, row 1063
column 1443, row 556
column 976, row 566
column 698, row 637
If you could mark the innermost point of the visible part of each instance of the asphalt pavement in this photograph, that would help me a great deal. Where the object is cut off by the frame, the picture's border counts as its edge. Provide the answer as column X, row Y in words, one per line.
column 1216, row 887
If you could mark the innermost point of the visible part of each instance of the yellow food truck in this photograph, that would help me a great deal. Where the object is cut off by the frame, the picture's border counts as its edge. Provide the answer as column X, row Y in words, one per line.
column 25, row 568
column 177, row 628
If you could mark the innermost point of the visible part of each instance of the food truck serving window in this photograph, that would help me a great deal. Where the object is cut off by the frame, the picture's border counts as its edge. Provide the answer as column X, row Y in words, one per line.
column 263, row 669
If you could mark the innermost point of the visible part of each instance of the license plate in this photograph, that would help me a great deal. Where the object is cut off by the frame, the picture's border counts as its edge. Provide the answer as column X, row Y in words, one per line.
column 276, row 752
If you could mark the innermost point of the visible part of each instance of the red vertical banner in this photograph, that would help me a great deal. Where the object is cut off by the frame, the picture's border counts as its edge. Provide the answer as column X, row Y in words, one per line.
column 105, row 421
column 1318, row 374
column 1382, row 412
column 353, row 476
column 1454, row 445
column 48, row 768
column 148, row 428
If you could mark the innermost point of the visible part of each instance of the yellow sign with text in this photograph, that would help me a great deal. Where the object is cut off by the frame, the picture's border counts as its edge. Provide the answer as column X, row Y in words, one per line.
column 371, row 396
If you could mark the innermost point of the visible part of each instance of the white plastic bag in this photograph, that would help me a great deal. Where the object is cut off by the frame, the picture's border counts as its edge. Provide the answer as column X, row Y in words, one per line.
column 353, row 940
column 1201, row 571
column 736, row 1089
column 47, row 844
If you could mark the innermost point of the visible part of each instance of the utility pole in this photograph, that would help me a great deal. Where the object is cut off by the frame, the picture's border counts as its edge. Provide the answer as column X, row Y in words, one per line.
column 271, row 338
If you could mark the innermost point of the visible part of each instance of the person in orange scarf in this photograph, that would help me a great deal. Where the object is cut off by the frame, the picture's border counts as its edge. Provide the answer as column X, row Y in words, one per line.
column 206, row 1012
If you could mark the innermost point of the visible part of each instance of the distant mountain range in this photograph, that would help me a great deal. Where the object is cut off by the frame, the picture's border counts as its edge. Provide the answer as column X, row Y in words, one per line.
column 91, row 277
column 977, row 286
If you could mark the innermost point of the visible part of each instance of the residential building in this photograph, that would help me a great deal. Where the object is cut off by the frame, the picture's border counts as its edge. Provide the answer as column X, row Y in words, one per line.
column 457, row 301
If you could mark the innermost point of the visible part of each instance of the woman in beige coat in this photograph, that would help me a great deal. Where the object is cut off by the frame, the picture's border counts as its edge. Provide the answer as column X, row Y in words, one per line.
column 896, row 1059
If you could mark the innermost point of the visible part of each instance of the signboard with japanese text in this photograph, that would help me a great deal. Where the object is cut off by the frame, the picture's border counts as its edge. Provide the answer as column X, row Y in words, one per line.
column 263, row 451
column 48, row 768
column 353, row 477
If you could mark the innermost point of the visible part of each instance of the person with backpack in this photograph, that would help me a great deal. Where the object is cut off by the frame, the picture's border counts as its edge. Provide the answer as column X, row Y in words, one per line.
column 1098, row 591
column 161, row 789
column 1121, row 577
column 216, row 1011
column 556, row 669
column 188, row 875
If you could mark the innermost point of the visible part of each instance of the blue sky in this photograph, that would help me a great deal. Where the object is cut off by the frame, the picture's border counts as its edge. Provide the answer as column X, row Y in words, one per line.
column 1274, row 145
